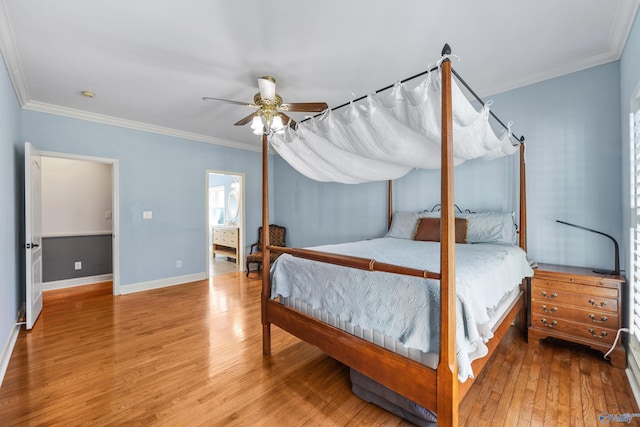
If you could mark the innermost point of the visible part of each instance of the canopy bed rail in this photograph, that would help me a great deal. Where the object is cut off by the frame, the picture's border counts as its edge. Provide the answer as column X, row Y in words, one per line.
column 437, row 389
column 355, row 262
column 415, row 76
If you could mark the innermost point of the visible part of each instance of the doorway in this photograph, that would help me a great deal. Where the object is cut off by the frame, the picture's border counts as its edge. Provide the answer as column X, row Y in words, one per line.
column 34, row 242
column 79, row 221
column 225, row 222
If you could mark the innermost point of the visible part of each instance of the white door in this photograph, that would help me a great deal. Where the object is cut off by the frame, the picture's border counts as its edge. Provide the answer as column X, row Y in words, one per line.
column 33, row 232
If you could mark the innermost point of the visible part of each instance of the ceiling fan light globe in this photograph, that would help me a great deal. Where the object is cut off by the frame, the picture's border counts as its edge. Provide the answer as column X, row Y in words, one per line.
column 277, row 123
column 256, row 123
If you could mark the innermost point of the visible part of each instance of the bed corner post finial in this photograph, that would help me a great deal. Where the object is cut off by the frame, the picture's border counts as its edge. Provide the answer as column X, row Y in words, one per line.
column 446, row 50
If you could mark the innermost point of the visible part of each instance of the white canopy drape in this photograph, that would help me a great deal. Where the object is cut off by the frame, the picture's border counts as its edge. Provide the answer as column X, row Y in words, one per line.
column 388, row 135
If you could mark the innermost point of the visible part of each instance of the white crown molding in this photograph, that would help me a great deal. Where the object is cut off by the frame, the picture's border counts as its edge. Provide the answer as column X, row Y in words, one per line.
column 130, row 124
column 623, row 21
column 566, row 67
column 11, row 59
column 622, row 24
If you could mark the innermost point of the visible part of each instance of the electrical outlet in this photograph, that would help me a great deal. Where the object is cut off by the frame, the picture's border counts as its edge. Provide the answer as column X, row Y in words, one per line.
column 107, row 214
column 78, row 265
column 178, row 264
column 147, row 215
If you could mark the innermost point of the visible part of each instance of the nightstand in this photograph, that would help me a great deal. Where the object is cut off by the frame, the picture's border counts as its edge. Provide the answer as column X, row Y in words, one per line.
column 575, row 304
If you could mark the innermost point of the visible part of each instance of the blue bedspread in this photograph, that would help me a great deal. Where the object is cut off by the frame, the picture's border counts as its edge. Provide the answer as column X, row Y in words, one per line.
column 407, row 308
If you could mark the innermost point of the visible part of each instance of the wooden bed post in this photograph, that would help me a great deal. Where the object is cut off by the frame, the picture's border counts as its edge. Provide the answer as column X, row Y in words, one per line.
column 447, row 373
column 266, row 276
column 523, row 197
column 523, row 316
column 389, row 203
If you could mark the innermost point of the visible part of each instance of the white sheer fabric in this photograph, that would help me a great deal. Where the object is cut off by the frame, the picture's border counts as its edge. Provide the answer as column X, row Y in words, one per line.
column 388, row 135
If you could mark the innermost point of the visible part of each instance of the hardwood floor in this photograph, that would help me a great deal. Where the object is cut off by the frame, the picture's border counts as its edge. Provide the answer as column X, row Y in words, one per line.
column 220, row 265
column 191, row 355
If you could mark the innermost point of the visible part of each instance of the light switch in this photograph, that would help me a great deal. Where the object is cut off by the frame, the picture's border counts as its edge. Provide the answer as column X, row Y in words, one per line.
column 147, row 215
column 107, row 214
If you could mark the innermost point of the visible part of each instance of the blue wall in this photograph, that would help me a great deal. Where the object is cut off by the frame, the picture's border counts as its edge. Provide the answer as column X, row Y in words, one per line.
column 163, row 174
column 571, row 125
column 572, row 129
column 318, row 213
column 11, row 200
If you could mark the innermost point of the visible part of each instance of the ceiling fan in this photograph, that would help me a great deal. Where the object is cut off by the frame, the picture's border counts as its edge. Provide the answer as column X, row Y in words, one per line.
column 269, row 112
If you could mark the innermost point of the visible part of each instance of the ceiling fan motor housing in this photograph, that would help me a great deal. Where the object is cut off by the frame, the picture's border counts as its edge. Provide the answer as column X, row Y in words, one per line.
column 276, row 103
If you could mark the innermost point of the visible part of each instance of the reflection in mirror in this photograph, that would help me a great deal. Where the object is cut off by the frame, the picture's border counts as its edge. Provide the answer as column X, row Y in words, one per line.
column 233, row 204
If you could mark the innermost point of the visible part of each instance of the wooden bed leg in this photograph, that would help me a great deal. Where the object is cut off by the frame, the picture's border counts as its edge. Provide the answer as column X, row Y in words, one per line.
column 523, row 316
column 266, row 339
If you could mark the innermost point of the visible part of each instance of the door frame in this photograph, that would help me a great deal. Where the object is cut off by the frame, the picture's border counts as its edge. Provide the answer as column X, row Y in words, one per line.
column 115, row 207
column 242, row 213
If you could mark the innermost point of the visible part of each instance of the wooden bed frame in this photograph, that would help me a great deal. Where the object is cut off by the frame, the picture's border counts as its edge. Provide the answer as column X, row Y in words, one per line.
column 438, row 390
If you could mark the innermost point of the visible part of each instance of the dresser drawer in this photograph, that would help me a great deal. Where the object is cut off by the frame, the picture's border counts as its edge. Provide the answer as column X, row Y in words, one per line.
column 594, row 317
column 575, row 287
column 552, row 325
column 224, row 236
column 540, row 295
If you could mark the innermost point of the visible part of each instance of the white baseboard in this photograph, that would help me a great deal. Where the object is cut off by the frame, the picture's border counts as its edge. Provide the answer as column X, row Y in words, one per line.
column 633, row 375
column 633, row 366
column 635, row 387
column 162, row 283
column 7, row 350
column 79, row 281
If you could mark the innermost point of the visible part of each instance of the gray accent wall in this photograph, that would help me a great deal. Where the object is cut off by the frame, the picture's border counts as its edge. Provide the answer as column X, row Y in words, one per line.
column 59, row 255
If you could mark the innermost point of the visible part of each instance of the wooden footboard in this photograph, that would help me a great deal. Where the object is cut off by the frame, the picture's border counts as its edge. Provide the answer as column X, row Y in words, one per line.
column 407, row 377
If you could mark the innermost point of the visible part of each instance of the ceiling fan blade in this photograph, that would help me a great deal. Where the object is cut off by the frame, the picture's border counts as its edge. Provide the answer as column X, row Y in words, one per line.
column 229, row 101
column 312, row 107
column 245, row 120
column 267, row 85
column 287, row 121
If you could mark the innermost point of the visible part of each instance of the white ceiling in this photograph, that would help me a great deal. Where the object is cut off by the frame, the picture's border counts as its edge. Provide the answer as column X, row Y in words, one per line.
column 150, row 62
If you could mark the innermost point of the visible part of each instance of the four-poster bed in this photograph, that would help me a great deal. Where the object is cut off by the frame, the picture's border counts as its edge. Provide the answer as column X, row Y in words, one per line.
column 438, row 389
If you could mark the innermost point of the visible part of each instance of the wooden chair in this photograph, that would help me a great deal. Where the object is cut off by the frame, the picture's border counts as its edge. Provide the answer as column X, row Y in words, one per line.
column 277, row 236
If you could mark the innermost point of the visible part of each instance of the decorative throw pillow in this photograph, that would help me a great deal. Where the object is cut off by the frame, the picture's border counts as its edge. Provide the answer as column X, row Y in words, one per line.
column 403, row 225
column 485, row 227
column 429, row 230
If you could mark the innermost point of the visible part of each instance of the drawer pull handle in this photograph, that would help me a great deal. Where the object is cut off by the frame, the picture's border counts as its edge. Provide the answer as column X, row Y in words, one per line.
column 602, row 334
column 593, row 303
column 602, row 319
column 550, row 325
column 547, row 310
column 544, row 294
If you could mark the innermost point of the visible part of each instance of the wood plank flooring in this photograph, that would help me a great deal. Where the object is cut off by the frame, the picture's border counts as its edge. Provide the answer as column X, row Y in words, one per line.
column 191, row 355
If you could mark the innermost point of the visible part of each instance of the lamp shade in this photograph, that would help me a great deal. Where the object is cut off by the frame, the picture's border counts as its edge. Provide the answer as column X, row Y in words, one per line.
column 267, row 86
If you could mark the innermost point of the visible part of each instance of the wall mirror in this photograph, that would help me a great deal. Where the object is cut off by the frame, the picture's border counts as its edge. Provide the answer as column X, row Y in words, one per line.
column 233, row 204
